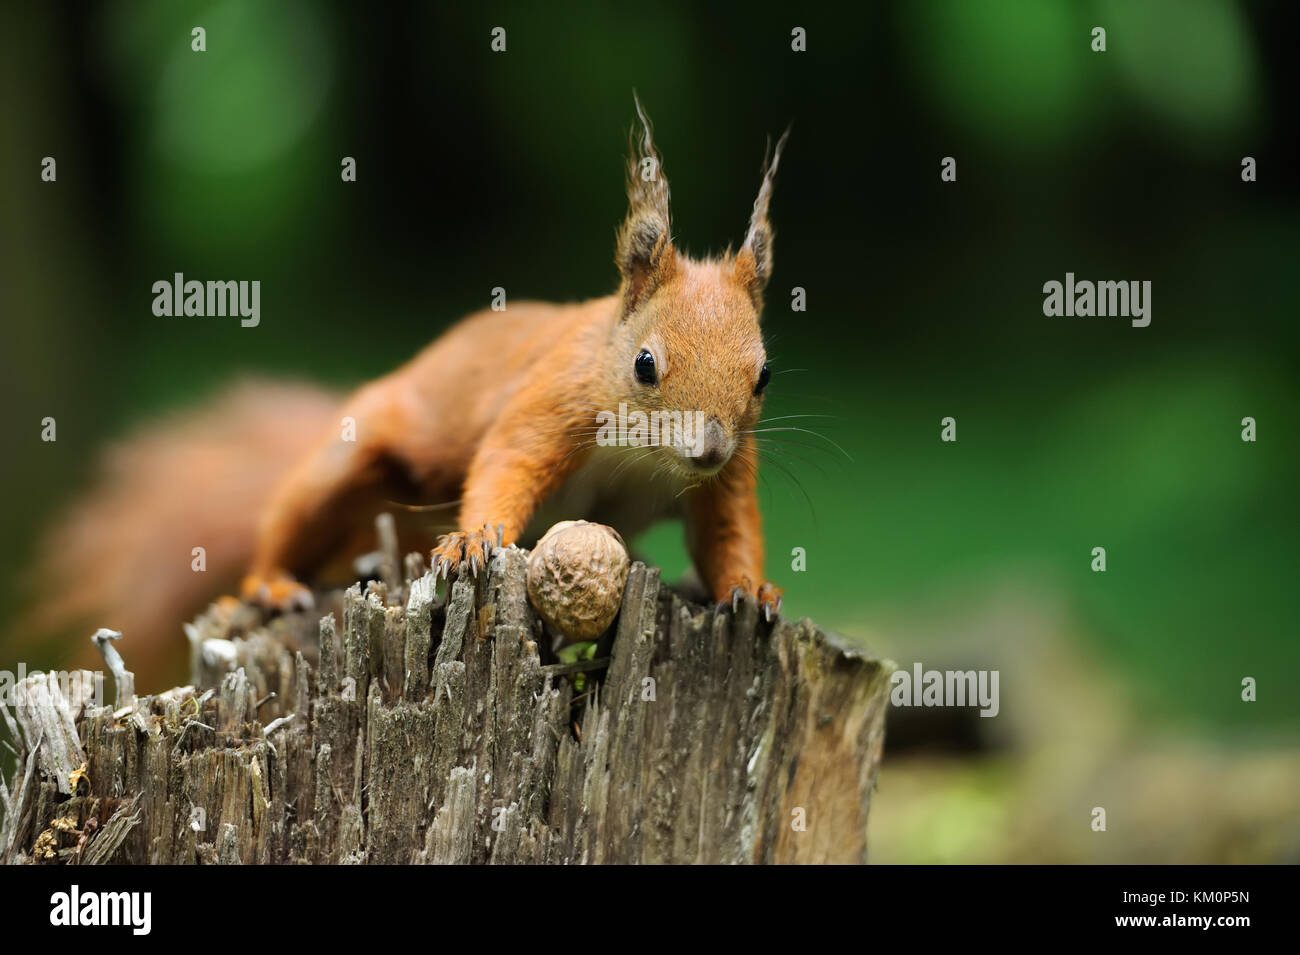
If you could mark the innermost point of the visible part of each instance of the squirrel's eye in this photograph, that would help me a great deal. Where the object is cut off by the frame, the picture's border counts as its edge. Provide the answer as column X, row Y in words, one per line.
column 645, row 368
column 763, row 377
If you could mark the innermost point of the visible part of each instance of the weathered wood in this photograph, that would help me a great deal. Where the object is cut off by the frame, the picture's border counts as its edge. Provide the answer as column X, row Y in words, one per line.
column 437, row 728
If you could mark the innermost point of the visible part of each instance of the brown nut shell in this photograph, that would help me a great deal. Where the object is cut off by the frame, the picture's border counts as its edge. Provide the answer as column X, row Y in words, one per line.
column 576, row 576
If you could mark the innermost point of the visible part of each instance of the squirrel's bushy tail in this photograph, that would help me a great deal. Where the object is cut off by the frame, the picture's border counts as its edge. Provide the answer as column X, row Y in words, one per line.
column 123, row 555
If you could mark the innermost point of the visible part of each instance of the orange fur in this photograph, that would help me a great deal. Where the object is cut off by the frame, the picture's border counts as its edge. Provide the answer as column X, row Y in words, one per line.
column 198, row 478
column 500, row 414
column 508, row 424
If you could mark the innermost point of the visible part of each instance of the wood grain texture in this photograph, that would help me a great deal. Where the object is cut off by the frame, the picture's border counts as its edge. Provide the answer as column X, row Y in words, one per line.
column 400, row 728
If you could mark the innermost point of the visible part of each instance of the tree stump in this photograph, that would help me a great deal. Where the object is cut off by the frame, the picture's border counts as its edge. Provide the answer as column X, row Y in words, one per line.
column 431, row 730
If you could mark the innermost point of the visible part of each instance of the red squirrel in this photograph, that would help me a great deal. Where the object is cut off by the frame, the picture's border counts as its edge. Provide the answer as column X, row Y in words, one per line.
column 499, row 413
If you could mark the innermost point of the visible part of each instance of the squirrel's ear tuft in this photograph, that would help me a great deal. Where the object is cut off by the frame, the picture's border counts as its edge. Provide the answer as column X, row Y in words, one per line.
column 754, row 261
column 645, row 254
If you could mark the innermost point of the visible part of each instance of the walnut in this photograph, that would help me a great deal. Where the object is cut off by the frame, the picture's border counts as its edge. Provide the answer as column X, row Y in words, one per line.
column 576, row 576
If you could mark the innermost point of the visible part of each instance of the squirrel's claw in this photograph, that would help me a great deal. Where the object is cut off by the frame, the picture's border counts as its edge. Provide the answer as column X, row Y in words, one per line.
column 733, row 592
column 278, row 593
column 768, row 597
column 459, row 549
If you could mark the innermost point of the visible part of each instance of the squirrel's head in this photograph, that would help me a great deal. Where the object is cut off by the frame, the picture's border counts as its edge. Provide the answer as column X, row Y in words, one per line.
column 687, row 340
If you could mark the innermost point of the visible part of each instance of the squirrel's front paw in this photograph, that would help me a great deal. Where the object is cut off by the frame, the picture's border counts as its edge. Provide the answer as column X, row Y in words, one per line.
column 769, row 600
column 768, row 596
column 462, row 547
column 276, row 592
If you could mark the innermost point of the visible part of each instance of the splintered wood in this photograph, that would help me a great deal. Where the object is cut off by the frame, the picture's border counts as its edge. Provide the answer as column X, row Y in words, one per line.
column 426, row 732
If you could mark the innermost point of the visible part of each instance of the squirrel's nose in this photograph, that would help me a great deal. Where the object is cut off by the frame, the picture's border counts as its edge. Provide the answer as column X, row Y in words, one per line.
column 711, row 448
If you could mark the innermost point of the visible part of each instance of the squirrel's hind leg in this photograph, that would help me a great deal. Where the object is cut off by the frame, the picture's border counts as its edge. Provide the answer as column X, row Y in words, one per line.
column 311, row 516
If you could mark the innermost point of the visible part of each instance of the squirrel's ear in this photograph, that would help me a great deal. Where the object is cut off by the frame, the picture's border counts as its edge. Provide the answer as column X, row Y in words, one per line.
column 645, row 254
column 754, row 261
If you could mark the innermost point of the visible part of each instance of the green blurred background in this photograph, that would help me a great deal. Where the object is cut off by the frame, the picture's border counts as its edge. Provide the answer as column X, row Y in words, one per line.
column 478, row 169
